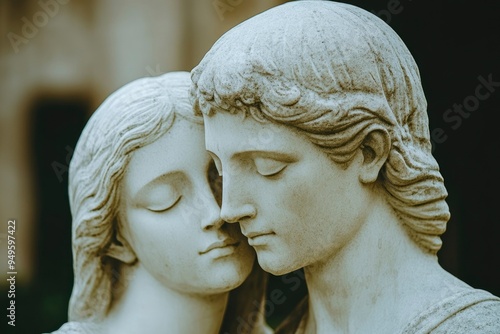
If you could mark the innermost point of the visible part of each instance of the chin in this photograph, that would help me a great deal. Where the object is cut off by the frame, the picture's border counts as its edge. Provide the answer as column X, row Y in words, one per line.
column 230, row 275
column 225, row 284
column 275, row 265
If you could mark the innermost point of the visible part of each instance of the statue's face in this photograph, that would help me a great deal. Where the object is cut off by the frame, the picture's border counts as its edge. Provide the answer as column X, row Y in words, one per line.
column 170, row 217
column 294, row 204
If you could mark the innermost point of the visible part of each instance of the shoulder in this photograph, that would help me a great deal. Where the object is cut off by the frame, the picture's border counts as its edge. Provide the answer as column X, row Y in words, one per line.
column 467, row 311
column 483, row 317
column 78, row 328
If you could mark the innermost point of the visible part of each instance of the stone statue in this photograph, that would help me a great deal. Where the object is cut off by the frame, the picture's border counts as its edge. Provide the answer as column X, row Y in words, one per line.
column 151, row 254
column 316, row 119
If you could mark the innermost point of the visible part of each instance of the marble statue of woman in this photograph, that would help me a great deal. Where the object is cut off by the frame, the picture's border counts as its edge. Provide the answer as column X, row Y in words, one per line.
column 150, row 252
column 316, row 119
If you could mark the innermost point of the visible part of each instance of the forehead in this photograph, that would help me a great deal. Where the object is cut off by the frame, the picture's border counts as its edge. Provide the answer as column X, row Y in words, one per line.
column 229, row 134
column 181, row 149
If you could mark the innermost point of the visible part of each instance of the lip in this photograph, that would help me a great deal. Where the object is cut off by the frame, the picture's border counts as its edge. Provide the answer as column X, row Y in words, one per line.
column 259, row 239
column 220, row 244
column 253, row 235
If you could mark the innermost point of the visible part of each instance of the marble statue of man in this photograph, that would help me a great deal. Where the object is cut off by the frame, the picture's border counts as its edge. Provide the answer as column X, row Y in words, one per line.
column 315, row 115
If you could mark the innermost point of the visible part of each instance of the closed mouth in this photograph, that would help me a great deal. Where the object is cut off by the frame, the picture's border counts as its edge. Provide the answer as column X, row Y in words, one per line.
column 253, row 235
column 220, row 244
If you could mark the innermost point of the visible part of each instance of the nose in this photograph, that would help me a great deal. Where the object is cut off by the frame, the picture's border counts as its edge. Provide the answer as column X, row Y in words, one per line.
column 235, row 206
column 210, row 217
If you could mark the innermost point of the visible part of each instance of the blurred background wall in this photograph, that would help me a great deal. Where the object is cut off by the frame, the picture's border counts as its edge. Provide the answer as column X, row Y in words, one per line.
column 59, row 59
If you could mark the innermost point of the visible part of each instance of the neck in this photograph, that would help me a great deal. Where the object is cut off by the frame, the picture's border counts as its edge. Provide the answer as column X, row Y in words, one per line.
column 147, row 306
column 374, row 283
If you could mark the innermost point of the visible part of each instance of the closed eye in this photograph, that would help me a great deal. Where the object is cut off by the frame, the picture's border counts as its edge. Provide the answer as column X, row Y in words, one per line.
column 269, row 167
column 163, row 208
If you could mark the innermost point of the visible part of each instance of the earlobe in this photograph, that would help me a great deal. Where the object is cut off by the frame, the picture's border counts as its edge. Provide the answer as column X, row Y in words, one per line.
column 121, row 250
column 375, row 149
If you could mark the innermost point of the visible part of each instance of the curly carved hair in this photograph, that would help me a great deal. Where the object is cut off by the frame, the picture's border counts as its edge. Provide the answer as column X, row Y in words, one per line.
column 334, row 72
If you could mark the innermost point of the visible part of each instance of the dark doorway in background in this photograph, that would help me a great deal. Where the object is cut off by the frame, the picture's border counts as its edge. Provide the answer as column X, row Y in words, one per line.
column 56, row 125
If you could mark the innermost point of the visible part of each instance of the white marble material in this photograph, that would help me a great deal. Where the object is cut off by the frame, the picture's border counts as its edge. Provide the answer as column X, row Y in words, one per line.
column 151, row 254
column 316, row 118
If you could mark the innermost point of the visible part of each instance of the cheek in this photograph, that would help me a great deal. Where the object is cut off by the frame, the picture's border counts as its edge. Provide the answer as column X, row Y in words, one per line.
column 313, row 208
column 287, row 206
column 303, row 196
column 157, row 240
column 299, row 201
column 309, row 220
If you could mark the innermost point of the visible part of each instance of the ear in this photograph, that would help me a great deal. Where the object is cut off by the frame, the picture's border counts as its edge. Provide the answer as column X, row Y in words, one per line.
column 121, row 250
column 375, row 148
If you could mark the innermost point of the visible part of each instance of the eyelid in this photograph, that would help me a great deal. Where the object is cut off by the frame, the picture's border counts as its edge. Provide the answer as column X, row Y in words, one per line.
column 166, row 208
column 269, row 167
column 159, row 197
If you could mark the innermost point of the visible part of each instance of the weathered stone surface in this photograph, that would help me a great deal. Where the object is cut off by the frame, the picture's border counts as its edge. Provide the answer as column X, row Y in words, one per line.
column 316, row 117
column 151, row 254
